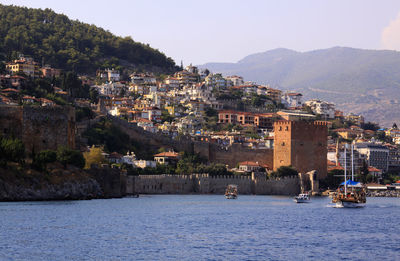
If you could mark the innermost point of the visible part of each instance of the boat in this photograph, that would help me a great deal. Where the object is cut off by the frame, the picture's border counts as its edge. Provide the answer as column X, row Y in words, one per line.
column 302, row 198
column 231, row 192
column 350, row 194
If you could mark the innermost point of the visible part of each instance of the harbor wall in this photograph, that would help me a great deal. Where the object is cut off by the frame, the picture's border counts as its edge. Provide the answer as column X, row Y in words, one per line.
column 205, row 184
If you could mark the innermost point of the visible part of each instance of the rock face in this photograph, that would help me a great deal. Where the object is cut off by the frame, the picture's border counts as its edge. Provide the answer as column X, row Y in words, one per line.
column 60, row 184
column 64, row 191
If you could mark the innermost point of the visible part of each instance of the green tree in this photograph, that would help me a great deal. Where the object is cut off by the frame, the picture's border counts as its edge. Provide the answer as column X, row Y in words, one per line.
column 364, row 172
column 284, row 171
column 71, row 84
column 72, row 45
column 94, row 95
column 11, row 150
column 165, row 116
column 333, row 179
column 40, row 160
column 68, row 156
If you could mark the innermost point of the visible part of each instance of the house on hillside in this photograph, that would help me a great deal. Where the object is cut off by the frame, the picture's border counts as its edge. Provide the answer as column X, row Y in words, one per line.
column 167, row 158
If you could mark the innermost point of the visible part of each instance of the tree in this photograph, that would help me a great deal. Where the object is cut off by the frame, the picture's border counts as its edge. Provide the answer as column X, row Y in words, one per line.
column 45, row 156
column 188, row 163
column 364, row 172
column 284, row 171
column 94, row 95
column 11, row 150
column 333, row 179
column 210, row 112
column 71, row 84
column 165, row 116
column 370, row 126
column 94, row 156
column 69, row 156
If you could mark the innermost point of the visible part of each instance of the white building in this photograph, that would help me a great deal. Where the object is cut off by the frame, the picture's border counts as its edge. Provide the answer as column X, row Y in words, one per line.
column 112, row 75
column 236, row 80
column 114, row 88
column 216, row 81
column 145, row 164
column 326, row 109
column 129, row 158
column 292, row 99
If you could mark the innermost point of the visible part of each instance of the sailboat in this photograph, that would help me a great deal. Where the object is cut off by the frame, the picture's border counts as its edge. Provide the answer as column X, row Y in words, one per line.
column 350, row 194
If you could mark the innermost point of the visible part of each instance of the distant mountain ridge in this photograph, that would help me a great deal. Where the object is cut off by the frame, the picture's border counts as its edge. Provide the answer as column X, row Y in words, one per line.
column 357, row 80
column 72, row 45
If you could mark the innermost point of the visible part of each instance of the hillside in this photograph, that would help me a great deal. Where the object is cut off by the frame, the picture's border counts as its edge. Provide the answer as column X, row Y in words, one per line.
column 70, row 44
column 359, row 81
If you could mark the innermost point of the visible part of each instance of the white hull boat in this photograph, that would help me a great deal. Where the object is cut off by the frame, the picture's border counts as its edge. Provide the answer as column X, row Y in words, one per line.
column 302, row 198
column 345, row 204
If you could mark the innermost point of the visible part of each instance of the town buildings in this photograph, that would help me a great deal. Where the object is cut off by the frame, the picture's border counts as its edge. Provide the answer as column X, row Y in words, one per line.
column 202, row 106
column 24, row 65
column 376, row 155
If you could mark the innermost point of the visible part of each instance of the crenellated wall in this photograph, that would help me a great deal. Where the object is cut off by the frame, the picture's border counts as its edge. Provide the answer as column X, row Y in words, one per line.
column 205, row 184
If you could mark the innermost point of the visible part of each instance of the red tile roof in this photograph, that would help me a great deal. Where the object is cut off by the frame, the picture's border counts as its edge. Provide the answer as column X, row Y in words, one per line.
column 249, row 163
column 169, row 154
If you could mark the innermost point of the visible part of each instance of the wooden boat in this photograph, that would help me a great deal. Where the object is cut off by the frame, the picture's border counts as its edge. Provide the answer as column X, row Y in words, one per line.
column 231, row 192
column 350, row 194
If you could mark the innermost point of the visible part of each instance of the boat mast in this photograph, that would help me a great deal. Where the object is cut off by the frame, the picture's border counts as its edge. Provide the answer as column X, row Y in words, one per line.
column 345, row 169
column 352, row 162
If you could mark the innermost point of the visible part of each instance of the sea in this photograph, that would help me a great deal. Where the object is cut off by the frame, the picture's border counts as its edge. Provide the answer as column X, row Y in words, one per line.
column 199, row 227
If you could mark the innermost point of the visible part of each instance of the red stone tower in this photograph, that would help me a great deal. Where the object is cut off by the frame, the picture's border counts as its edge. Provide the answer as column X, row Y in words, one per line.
column 302, row 145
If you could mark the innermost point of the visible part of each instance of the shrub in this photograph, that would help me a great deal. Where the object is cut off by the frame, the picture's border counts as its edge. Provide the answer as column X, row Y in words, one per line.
column 45, row 156
column 284, row 171
column 94, row 156
column 11, row 150
column 68, row 156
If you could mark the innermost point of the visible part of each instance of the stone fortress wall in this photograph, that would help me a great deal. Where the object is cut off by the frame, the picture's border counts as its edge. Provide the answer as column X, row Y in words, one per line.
column 205, row 184
column 39, row 128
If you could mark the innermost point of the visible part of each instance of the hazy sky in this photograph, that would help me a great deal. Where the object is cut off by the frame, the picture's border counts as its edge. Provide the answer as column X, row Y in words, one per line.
column 227, row 30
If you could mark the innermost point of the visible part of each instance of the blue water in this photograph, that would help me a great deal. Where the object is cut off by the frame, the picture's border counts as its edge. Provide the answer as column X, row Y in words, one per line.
column 199, row 227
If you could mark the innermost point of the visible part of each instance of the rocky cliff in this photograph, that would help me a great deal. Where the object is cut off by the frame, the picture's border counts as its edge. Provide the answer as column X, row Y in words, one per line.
column 58, row 184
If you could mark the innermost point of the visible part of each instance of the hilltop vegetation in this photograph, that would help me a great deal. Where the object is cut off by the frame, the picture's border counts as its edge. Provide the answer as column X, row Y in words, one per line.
column 72, row 45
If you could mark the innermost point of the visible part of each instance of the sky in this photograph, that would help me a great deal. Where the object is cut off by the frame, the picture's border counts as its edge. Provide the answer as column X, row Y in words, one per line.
column 204, row 31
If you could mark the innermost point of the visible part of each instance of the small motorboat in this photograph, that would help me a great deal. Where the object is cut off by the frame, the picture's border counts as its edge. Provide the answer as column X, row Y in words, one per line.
column 231, row 192
column 302, row 198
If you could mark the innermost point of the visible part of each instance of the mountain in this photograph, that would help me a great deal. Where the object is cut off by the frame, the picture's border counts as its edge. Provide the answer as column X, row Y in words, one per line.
column 359, row 81
column 70, row 44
